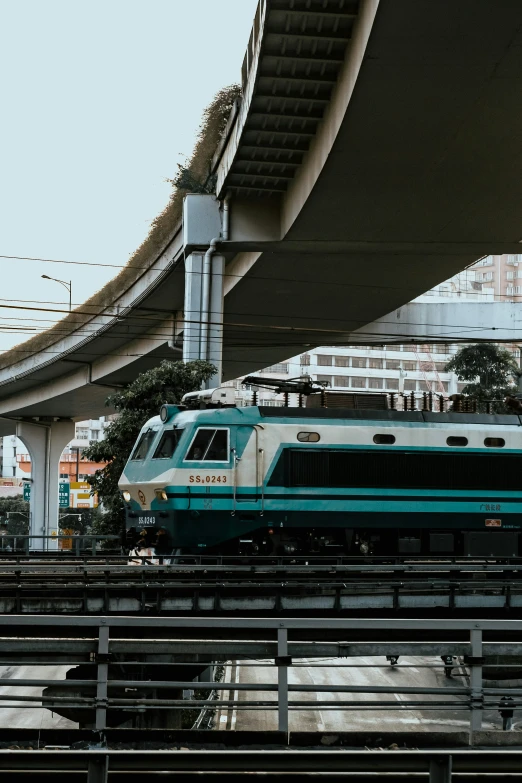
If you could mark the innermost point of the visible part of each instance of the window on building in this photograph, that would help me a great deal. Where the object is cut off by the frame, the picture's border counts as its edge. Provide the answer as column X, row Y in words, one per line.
column 461, row 387
column 375, row 383
column 209, row 445
column 409, row 348
column 358, row 383
column 342, row 361
column 440, row 366
column 82, row 433
column 424, row 386
column 411, row 366
column 358, row 361
column 510, row 275
column 445, row 386
column 323, row 360
column 325, row 379
column 444, row 349
column 393, row 364
column 342, row 380
column 391, row 383
column 376, row 364
column 95, row 434
column 277, row 368
column 410, row 385
column 305, row 360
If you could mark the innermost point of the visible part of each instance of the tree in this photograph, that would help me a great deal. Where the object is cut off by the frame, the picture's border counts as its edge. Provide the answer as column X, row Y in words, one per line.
column 138, row 402
column 14, row 512
column 489, row 370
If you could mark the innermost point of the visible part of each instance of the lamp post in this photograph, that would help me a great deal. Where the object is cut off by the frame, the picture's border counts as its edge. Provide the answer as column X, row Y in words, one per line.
column 68, row 286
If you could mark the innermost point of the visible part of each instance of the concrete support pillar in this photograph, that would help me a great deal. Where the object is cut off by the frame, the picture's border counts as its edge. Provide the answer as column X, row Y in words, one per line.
column 193, row 346
column 45, row 443
column 192, row 307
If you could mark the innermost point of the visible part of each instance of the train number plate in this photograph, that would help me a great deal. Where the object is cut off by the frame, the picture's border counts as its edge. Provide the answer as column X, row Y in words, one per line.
column 197, row 479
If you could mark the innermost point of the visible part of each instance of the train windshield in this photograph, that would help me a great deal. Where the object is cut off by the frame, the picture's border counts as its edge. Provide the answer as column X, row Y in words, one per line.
column 209, row 445
column 167, row 444
column 143, row 444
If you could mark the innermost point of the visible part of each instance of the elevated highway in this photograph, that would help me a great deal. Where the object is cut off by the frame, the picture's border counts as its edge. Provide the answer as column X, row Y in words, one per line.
column 375, row 152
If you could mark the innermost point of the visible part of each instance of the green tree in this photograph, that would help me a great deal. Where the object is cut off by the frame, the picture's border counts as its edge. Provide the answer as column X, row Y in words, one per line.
column 14, row 512
column 135, row 404
column 489, row 371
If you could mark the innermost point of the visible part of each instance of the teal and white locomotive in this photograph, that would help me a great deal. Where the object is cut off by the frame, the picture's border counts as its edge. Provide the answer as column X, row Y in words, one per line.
column 213, row 478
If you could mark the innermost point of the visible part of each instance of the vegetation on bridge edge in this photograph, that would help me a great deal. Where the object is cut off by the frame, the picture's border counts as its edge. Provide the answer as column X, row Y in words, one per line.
column 194, row 176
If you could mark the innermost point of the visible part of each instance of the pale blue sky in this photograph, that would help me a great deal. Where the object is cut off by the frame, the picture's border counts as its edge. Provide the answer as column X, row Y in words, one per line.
column 99, row 101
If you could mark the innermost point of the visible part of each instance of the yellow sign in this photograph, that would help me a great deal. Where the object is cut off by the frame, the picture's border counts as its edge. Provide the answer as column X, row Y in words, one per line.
column 80, row 485
column 83, row 496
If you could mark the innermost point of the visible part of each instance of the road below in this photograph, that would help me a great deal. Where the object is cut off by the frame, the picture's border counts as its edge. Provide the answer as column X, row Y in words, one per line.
column 14, row 714
column 411, row 671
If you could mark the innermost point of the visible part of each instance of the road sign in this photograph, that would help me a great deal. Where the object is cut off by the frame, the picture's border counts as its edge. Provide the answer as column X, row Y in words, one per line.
column 63, row 495
column 27, row 491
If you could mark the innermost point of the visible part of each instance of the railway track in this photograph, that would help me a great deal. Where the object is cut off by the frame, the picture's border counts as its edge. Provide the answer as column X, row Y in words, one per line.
column 437, row 589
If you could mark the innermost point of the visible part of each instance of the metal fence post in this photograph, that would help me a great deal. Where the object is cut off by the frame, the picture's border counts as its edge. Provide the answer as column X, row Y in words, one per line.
column 440, row 769
column 282, row 679
column 98, row 769
column 102, row 675
column 476, row 681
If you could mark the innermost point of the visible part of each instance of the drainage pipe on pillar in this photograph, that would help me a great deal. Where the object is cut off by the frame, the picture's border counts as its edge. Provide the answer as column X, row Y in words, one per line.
column 207, row 266
column 226, row 217
column 205, row 298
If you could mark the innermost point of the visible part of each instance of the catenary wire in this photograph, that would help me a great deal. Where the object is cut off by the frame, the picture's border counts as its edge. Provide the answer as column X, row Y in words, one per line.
column 247, row 274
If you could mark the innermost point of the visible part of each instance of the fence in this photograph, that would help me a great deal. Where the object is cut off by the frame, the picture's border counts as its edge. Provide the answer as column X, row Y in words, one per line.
column 126, row 641
column 13, row 543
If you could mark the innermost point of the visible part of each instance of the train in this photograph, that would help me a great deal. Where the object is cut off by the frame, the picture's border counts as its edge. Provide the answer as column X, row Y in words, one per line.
column 207, row 477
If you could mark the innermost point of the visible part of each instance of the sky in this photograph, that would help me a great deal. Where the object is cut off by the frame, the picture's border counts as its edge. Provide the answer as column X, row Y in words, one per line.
column 100, row 100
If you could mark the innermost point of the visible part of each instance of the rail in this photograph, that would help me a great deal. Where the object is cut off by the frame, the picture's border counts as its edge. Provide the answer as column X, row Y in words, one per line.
column 99, row 765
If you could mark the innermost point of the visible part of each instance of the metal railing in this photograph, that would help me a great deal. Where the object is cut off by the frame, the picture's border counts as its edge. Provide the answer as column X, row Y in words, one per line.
column 34, row 545
column 123, row 641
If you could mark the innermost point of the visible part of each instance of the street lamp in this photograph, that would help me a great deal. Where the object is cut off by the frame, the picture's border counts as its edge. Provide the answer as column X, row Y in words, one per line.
column 68, row 286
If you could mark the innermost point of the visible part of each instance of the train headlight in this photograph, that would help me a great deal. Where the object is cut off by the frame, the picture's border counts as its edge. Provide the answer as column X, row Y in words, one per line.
column 161, row 494
column 127, row 496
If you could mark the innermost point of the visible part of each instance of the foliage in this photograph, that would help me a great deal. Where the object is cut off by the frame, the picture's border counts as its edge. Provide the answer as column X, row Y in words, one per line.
column 17, row 523
column 69, row 519
column 196, row 177
column 137, row 403
column 489, row 370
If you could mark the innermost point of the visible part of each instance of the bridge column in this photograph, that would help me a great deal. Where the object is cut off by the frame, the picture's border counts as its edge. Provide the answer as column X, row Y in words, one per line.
column 45, row 443
column 194, row 347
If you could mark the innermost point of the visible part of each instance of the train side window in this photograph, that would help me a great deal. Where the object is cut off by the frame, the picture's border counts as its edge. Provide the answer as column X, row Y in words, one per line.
column 167, row 444
column 308, row 437
column 454, row 440
column 209, row 446
column 494, row 443
column 143, row 444
column 384, row 439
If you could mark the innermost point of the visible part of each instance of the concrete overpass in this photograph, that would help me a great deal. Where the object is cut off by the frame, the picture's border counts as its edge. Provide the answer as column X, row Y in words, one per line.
column 375, row 152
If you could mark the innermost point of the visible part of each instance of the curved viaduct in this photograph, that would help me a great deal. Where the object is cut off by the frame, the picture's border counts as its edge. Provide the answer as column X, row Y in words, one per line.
column 376, row 151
